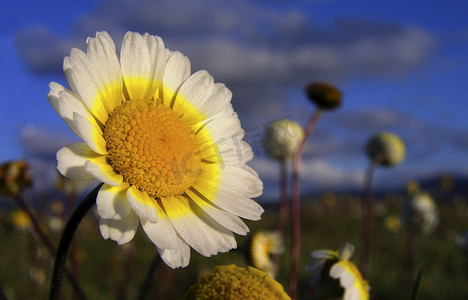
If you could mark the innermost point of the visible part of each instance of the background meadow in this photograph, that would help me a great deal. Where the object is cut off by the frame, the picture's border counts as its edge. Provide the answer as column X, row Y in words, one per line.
column 401, row 67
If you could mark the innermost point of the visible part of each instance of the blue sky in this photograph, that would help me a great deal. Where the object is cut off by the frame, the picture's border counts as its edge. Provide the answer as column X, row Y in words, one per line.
column 402, row 68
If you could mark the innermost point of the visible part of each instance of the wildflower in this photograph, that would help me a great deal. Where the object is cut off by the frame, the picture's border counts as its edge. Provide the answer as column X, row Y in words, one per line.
column 166, row 144
column 324, row 95
column 20, row 220
column 14, row 177
column 282, row 138
column 386, row 149
column 233, row 282
column 392, row 223
column 328, row 266
column 262, row 245
column 420, row 211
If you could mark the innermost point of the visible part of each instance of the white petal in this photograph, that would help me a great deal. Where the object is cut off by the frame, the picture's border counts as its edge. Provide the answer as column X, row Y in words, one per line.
column 121, row 231
column 223, row 218
column 240, row 180
column 95, row 76
column 161, row 233
column 234, row 151
column 177, row 70
column 221, row 129
column 90, row 134
column 176, row 258
column 112, row 202
column 346, row 251
column 65, row 103
column 230, row 201
column 102, row 171
column 71, row 160
column 142, row 204
column 198, row 230
column 143, row 62
column 346, row 278
column 322, row 254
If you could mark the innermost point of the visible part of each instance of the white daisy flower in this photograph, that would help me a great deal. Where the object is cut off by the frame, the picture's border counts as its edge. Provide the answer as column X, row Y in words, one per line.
column 421, row 212
column 166, row 144
column 336, row 265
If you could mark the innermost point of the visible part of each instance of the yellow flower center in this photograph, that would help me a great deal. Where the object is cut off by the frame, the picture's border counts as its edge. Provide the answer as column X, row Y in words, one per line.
column 233, row 282
column 152, row 148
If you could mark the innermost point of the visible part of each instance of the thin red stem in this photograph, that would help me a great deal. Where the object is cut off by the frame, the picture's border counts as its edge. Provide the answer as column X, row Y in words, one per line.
column 295, row 205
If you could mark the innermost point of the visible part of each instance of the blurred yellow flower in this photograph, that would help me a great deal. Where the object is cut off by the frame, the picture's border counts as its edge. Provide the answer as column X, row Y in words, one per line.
column 333, row 265
column 233, row 282
column 393, row 223
column 20, row 220
column 262, row 245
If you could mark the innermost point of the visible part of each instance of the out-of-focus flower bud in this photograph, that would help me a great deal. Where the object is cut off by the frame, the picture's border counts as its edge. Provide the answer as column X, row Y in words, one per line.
column 324, row 95
column 282, row 138
column 386, row 149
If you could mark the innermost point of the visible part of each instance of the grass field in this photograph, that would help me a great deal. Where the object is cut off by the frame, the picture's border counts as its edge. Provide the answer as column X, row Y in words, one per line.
column 108, row 271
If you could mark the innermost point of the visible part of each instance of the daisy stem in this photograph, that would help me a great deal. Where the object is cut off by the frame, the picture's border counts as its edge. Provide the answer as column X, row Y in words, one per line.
column 47, row 242
column 295, row 204
column 283, row 210
column 367, row 219
column 60, row 260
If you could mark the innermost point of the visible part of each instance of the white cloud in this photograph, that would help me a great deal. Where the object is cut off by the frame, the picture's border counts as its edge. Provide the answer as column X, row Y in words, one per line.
column 242, row 41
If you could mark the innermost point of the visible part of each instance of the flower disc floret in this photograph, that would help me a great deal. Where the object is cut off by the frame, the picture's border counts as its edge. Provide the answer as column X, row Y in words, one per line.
column 152, row 148
column 233, row 282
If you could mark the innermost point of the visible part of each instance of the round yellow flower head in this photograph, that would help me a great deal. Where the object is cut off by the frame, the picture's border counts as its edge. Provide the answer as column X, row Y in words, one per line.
column 282, row 138
column 386, row 149
column 324, row 95
column 233, row 282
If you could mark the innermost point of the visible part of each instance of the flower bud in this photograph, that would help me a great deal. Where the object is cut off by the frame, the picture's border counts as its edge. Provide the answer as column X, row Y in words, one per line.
column 386, row 149
column 282, row 139
column 324, row 95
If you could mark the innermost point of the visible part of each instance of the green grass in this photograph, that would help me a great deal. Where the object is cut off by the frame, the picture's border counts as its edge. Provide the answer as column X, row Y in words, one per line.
column 26, row 266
